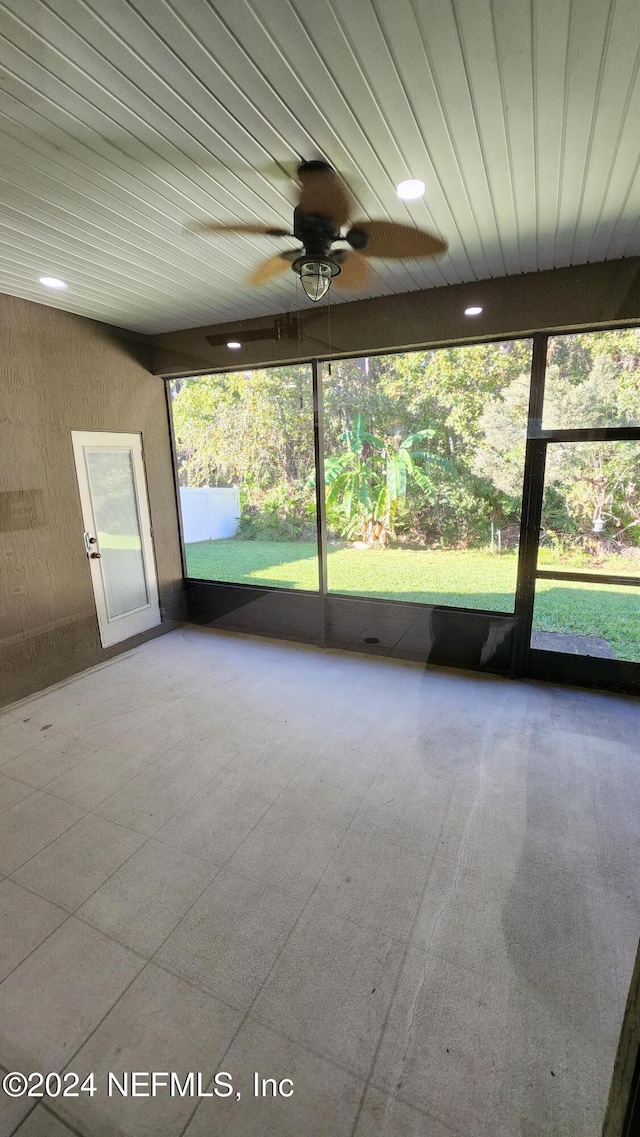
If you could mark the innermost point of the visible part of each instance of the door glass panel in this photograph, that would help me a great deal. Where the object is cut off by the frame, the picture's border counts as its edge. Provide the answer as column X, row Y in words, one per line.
column 115, row 508
column 424, row 458
column 246, row 472
column 591, row 508
column 592, row 380
column 577, row 618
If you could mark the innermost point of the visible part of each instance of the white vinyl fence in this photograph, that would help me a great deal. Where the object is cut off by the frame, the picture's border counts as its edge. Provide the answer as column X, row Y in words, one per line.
column 209, row 513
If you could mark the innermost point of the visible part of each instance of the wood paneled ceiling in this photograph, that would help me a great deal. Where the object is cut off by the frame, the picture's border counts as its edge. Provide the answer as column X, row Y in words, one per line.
column 121, row 120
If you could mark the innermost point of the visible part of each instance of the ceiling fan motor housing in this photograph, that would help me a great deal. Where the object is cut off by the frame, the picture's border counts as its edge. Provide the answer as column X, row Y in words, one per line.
column 317, row 233
column 357, row 238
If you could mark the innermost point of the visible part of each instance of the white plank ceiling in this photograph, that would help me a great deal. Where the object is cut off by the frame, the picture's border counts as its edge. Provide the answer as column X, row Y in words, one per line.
column 121, row 120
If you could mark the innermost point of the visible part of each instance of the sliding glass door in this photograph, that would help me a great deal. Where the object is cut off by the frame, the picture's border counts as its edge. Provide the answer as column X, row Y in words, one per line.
column 586, row 462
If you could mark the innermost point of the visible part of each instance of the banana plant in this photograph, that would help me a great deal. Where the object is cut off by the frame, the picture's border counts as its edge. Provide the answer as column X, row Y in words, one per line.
column 366, row 483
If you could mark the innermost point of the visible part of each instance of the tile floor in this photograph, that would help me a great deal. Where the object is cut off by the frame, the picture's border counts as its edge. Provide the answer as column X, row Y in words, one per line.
column 413, row 892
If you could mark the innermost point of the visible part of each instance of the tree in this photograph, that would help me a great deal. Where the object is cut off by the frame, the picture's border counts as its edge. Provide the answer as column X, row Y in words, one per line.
column 591, row 381
column 368, row 481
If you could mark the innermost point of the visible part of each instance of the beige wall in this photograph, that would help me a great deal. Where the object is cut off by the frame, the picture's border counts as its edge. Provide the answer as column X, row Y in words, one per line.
column 59, row 373
column 565, row 298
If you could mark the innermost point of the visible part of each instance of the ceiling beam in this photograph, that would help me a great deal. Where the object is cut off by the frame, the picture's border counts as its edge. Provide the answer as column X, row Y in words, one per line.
column 566, row 299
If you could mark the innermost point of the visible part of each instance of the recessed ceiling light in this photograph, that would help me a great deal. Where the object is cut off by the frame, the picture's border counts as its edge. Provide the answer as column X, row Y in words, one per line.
column 474, row 310
column 52, row 282
column 233, row 344
column 410, row 190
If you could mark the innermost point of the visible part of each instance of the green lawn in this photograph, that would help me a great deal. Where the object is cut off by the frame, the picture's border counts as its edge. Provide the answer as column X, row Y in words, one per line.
column 117, row 541
column 470, row 579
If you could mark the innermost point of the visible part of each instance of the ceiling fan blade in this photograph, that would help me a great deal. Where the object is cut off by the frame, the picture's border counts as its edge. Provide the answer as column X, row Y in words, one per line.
column 272, row 267
column 324, row 193
column 354, row 273
column 212, row 227
column 386, row 239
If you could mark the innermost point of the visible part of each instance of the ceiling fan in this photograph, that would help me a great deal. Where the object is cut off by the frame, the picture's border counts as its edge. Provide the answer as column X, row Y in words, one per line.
column 323, row 210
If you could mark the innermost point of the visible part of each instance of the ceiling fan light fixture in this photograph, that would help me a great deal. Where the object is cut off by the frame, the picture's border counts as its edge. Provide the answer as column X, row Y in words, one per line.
column 411, row 190
column 316, row 274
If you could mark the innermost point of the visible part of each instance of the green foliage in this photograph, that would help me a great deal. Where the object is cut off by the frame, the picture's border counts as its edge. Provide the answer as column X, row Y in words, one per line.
column 428, row 443
column 367, row 482
column 282, row 515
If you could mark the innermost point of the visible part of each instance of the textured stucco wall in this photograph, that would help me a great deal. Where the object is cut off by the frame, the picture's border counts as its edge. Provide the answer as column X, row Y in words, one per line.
column 59, row 373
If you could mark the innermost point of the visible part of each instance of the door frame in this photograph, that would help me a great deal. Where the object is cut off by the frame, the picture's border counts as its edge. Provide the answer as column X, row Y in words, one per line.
column 536, row 663
column 116, row 629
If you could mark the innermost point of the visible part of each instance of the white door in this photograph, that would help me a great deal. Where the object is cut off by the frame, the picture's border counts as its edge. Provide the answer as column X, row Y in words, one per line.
column 118, row 537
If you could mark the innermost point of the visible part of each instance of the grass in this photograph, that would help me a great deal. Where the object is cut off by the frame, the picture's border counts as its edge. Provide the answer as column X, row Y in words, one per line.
column 117, row 541
column 470, row 579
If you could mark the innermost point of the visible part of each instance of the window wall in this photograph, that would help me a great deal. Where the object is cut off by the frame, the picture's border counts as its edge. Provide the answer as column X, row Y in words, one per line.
column 424, row 459
column 587, row 594
column 244, row 450
column 422, row 465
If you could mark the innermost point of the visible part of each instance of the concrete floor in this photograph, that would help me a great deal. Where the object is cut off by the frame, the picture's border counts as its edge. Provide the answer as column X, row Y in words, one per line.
column 414, row 893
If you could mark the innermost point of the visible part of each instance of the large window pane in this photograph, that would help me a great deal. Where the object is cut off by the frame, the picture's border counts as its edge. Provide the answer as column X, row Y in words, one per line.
column 593, row 380
column 601, row 620
column 245, row 454
column 424, row 455
column 591, row 508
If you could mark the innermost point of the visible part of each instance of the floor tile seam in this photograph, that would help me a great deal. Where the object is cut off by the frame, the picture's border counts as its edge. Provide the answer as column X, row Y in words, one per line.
column 70, row 738
column 160, row 702
column 313, row 1051
column 273, row 1030
column 54, row 903
column 33, row 789
column 316, row 1052
column 67, row 917
column 219, row 868
column 264, row 884
column 489, row 735
column 116, row 754
column 400, row 973
column 175, row 974
column 22, row 1120
column 270, row 805
column 160, row 967
column 50, row 1109
column 286, row 941
column 405, row 1100
column 248, row 1012
column 85, row 813
column 42, row 785
column 71, row 916
column 204, row 785
column 395, row 846
column 352, row 921
column 30, row 1110
column 68, row 1062
column 218, row 864
column 96, row 810
column 149, row 838
column 74, row 911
